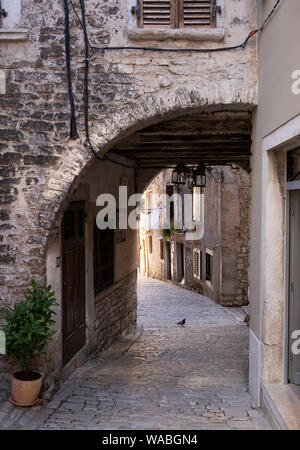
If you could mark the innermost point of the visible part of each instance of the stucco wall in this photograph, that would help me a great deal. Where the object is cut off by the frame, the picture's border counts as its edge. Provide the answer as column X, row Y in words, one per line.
column 279, row 55
column 278, row 58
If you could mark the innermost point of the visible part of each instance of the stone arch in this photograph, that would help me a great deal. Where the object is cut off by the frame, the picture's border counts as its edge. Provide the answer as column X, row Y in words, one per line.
column 38, row 208
column 58, row 183
column 131, row 117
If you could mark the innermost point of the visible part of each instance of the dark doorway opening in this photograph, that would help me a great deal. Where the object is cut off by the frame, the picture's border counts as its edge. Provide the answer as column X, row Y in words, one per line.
column 180, row 262
column 294, row 284
column 168, row 261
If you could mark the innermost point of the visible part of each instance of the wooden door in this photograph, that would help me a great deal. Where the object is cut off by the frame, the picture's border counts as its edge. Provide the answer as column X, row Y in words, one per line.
column 294, row 283
column 73, row 271
column 168, row 261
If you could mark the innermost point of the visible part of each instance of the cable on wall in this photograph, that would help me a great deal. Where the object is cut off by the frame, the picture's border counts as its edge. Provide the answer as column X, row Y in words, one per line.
column 73, row 126
column 86, row 82
column 89, row 47
column 184, row 50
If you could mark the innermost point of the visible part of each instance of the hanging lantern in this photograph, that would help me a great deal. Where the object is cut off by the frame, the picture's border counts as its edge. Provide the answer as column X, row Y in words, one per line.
column 199, row 176
column 179, row 174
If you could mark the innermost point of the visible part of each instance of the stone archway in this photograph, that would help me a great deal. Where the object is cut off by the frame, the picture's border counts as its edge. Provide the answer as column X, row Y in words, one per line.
column 129, row 118
column 60, row 176
column 64, row 179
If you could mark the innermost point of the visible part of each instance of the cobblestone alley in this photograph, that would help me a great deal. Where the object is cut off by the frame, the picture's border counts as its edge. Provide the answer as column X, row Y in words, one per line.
column 163, row 377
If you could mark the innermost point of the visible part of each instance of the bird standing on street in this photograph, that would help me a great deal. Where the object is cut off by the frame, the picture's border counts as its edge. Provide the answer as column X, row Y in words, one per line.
column 182, row 322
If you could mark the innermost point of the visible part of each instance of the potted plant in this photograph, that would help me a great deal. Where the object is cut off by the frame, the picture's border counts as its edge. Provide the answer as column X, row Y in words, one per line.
column 28, row 332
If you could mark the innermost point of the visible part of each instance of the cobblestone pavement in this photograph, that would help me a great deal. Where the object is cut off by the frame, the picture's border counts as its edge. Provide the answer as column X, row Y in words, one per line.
column 163, row 377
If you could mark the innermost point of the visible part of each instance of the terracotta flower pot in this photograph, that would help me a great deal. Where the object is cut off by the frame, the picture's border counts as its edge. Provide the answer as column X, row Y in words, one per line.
column 25, row 387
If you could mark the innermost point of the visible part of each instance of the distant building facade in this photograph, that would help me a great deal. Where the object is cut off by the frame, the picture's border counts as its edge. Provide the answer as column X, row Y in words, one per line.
column 217, row 264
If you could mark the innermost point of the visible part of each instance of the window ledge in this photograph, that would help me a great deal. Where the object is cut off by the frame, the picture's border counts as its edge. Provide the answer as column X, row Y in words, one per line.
column 13, row 34
column 184, row 34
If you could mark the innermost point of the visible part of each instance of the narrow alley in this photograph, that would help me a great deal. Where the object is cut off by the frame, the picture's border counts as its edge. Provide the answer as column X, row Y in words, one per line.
column 163, row 377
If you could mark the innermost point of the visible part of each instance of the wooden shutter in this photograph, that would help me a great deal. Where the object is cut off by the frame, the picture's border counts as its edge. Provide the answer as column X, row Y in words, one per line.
column 161, row 250
column 150, row 243
column 176, row 13
column 158, row 13
column 209, row 267
column 197, row 263
column 196, row 13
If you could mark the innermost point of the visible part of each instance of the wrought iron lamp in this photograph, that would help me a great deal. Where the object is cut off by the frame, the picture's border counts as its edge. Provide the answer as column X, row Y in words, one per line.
column 179, row 174
column 194, row 176
column 199, row 176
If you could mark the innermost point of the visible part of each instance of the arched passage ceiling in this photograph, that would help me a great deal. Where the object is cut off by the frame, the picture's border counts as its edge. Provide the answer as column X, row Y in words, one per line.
column 215, row 138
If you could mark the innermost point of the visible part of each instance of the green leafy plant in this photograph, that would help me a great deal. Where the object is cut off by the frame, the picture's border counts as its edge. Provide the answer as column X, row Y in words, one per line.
column 167, row 231
column 28, row 325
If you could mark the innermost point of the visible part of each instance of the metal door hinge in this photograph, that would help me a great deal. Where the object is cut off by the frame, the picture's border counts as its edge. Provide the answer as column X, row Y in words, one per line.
column 137, row 9
column 216, row 9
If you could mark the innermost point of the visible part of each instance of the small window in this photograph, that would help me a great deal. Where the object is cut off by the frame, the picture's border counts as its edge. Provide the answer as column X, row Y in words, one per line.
column 177, row 13
column 161, row 250
column 170, row 192
column 104, row 249
column 209, row 266
column 197, row 263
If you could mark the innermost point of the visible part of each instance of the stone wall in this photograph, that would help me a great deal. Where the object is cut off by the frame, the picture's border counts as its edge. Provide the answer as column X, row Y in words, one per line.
column 38, row 164
column 115, row 311
column 40, row 167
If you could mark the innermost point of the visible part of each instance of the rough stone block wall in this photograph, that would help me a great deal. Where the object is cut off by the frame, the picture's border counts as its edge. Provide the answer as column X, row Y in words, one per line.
column 189, row 280
column 38, row 163
column 40, row 166
column 236, row 238
column 115, row 311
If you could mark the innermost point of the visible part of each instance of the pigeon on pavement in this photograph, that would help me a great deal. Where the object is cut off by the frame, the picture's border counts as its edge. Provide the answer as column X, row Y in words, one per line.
column 182, row 322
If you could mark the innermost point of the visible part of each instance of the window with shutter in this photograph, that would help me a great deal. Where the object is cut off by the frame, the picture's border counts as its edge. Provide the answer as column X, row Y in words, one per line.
column 156, row 13
column 209, row 266
column 176, row 13
column 170, row 192
column 196, row 13
column 197, row 263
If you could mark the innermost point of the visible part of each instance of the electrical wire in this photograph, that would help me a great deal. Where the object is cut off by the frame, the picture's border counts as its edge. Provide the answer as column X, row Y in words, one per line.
column 73, row 127
column 86, row 94
column 188, row 50
column 86, row 83
column 89, row 47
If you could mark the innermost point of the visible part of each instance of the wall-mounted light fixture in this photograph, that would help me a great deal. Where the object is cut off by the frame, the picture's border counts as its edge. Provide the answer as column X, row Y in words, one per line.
column 199, row 176
column 179, row 174
column 194, row 176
